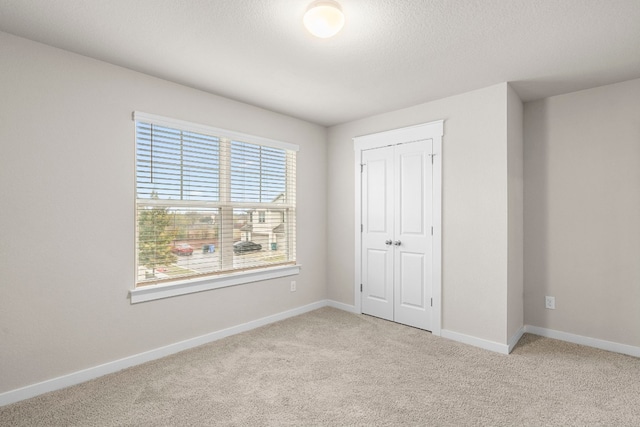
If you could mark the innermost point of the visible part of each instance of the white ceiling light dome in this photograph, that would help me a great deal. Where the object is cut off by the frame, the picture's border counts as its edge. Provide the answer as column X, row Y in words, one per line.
column 324, row 18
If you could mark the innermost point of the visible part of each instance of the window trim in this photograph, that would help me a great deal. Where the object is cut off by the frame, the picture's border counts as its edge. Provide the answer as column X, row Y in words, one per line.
column 199, row 284
column 189, row 286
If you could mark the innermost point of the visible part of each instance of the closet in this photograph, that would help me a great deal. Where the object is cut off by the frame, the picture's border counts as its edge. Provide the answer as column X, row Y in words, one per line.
column 397, row 250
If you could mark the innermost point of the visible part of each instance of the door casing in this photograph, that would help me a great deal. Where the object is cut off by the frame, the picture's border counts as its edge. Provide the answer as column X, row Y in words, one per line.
column 433, row 131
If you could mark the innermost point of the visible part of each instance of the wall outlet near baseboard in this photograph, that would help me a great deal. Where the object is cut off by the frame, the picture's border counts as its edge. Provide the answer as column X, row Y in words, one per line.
column 293, row 286
column 550, row 302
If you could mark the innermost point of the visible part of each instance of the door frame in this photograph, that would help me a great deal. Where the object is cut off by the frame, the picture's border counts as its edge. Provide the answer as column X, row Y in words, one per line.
column 434, row 131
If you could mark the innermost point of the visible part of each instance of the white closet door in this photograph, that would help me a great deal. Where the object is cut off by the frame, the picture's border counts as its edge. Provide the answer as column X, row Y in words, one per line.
column 396, row 235
column 377, row 233
column 412, row 241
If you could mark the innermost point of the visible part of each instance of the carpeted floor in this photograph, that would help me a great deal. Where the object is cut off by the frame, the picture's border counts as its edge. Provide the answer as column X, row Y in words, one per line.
column 329, row 367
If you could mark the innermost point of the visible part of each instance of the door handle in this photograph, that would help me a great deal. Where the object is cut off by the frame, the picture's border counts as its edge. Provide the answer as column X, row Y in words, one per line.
column 388, row 242
column 397, row 243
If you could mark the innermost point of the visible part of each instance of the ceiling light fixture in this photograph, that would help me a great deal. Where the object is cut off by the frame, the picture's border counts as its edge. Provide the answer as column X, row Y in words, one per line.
column 324, row 18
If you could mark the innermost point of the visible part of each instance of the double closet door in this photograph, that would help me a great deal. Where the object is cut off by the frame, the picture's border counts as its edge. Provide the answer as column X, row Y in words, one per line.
column 396, row 233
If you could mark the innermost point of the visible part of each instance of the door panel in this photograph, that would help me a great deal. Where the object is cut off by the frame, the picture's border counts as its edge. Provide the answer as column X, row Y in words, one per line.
column 411, row 193
column 377, row 224
column 377, row 220
column 412, row 302
column 411, row 272
column 376, row 284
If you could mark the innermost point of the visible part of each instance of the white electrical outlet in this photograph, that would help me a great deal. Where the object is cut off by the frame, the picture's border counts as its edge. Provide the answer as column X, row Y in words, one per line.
column 550, row 302
column 293, row 286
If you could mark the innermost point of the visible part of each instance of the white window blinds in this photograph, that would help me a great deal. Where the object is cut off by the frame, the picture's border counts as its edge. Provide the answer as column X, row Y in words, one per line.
column 210, row 201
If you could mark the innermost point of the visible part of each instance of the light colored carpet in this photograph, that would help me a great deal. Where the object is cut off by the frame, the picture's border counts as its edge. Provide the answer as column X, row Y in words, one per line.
column 329, row 367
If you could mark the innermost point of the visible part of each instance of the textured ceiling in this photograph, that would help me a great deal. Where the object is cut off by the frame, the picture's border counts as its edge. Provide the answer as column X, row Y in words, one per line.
column 391, row 54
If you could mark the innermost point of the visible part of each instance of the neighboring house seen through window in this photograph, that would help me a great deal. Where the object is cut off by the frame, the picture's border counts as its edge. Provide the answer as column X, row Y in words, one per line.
column 197, row 189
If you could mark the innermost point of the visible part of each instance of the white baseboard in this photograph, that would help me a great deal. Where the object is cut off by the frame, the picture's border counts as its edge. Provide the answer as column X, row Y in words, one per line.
column 515, row 338
column 544, row 332
column 486, row 344
column 78, row 377
column 582, row 340
column 342, row 306
column 476, row 342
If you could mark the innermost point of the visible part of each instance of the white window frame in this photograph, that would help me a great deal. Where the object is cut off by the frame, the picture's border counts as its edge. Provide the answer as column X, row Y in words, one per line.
column 198, row 284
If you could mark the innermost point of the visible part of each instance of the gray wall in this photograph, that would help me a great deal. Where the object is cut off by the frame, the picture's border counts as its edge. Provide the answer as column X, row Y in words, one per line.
column 515, row 175
column 475, row 211
column 67, row 215
column 582, row 212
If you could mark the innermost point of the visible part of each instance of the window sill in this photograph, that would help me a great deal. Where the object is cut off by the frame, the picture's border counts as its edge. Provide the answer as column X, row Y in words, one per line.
column 189, row 286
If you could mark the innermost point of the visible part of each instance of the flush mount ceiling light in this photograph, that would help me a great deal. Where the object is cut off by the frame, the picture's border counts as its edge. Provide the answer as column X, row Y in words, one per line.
column 324, row 19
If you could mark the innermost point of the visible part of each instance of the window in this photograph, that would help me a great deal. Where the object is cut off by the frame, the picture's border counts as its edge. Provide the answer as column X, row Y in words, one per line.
column 197, row 189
